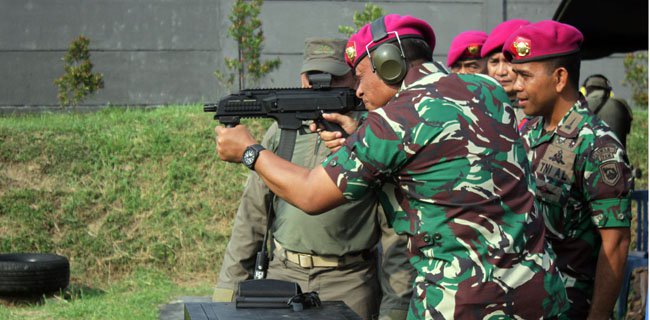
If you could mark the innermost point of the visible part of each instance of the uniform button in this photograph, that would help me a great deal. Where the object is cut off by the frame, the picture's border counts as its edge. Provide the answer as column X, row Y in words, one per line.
column 426, row 238
column 333, row 163
column 437, row 236
column 621, row 216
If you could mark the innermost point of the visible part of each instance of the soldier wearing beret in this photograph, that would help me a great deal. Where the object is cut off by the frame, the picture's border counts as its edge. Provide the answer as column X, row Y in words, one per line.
column 497, row 65
column 582, row 172
column 334, row 253
column 465, row 53
column 444, row 151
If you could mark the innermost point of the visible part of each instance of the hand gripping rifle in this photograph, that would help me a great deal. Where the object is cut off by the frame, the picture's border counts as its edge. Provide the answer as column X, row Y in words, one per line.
column 289, row 107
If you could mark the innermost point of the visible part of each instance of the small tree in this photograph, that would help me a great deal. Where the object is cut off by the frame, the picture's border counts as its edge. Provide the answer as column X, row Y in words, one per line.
column 636, row 76
column 78, row 81
column 369, row 14
column 246, row 30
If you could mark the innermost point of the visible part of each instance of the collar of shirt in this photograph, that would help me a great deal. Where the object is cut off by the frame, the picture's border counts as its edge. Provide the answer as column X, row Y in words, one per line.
column 418, row 72
column 569, row 126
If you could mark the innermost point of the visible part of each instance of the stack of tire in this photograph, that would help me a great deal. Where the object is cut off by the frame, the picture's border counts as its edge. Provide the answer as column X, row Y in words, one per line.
column 32, row 274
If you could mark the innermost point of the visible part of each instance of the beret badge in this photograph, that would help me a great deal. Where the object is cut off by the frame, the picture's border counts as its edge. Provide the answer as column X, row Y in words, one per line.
column 521, row 46
column 350, row 51
column 474, row 49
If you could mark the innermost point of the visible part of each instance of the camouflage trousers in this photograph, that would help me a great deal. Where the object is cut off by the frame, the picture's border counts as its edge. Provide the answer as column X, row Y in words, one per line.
column 453, row 290
column 579, row 293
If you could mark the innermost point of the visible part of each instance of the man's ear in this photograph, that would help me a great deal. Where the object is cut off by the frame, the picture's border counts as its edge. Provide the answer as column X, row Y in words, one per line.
column 561, row 78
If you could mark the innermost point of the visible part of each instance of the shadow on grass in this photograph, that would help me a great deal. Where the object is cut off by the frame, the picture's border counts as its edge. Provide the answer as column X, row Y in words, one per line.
column 72, row 292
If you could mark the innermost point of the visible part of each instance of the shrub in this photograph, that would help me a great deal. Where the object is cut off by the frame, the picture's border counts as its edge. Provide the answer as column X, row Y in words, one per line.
column 78, row 81
column 246, row 30
column 370, row 13
column 636, row 76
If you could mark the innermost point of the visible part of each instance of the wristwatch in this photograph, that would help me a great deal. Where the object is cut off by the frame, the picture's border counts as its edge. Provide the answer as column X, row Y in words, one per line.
column 250, row 155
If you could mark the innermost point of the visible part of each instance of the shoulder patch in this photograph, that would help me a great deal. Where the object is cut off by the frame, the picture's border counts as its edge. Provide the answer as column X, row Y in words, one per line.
column 604, row 153
column 610, row 173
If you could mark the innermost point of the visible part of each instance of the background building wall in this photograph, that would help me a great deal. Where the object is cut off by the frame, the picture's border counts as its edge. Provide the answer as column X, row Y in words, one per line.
column 154, row 52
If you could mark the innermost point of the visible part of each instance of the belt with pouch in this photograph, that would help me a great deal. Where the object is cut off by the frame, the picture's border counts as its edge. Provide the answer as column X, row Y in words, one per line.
column 308, row 261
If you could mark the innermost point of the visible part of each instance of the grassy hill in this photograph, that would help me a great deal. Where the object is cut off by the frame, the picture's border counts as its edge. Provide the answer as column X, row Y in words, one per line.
column 116, row 189
column 122, row 189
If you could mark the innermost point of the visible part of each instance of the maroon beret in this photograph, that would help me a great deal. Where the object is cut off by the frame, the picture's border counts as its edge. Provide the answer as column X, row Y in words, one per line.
column 466, row 45
column 499, row 34
column 542, row 40
column 405, row 26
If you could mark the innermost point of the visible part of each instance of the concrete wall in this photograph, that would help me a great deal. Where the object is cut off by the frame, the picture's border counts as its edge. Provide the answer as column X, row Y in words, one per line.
column 154, row 52
column 150, row 51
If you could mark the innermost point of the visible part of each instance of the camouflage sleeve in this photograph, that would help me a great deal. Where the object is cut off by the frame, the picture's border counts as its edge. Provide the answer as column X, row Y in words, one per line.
column 607, row 182
column 249, row 227
column 355, row 168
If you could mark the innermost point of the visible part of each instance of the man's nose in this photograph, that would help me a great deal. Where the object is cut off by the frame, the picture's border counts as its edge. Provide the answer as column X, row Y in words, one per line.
column 518, row 84
column 502, row 69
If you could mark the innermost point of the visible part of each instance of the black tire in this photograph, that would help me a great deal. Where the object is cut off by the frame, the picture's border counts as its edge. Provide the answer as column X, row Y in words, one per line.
column 29, row 274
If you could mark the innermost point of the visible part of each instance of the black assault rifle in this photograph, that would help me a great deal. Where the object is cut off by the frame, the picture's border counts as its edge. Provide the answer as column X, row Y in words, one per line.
column 289, row 107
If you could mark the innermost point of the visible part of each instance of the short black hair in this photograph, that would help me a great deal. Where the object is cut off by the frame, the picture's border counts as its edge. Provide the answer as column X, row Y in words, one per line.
column 571, row 63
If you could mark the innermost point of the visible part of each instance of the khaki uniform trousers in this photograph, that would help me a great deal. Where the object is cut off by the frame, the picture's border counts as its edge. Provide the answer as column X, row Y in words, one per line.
column 356, row 284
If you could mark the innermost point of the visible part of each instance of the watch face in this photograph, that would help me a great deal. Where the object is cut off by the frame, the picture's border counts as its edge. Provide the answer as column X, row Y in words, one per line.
column 249, row 157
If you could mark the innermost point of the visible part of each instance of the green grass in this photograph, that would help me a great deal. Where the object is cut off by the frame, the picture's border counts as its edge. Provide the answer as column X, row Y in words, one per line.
column 637, row 146
column 116, row 189
column 138, row 296
column 124, row 190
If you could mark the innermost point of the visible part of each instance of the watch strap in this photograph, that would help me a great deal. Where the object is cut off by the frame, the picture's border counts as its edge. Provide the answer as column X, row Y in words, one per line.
column 257, row 148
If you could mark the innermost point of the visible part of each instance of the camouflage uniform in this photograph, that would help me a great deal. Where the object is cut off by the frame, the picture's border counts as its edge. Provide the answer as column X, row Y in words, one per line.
column 583, row 182
column 520, row 116
column 349, row 230
column 454, row 169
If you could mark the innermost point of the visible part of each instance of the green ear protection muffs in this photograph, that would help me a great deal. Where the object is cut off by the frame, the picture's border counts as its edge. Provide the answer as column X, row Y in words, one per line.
column 388, row 60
